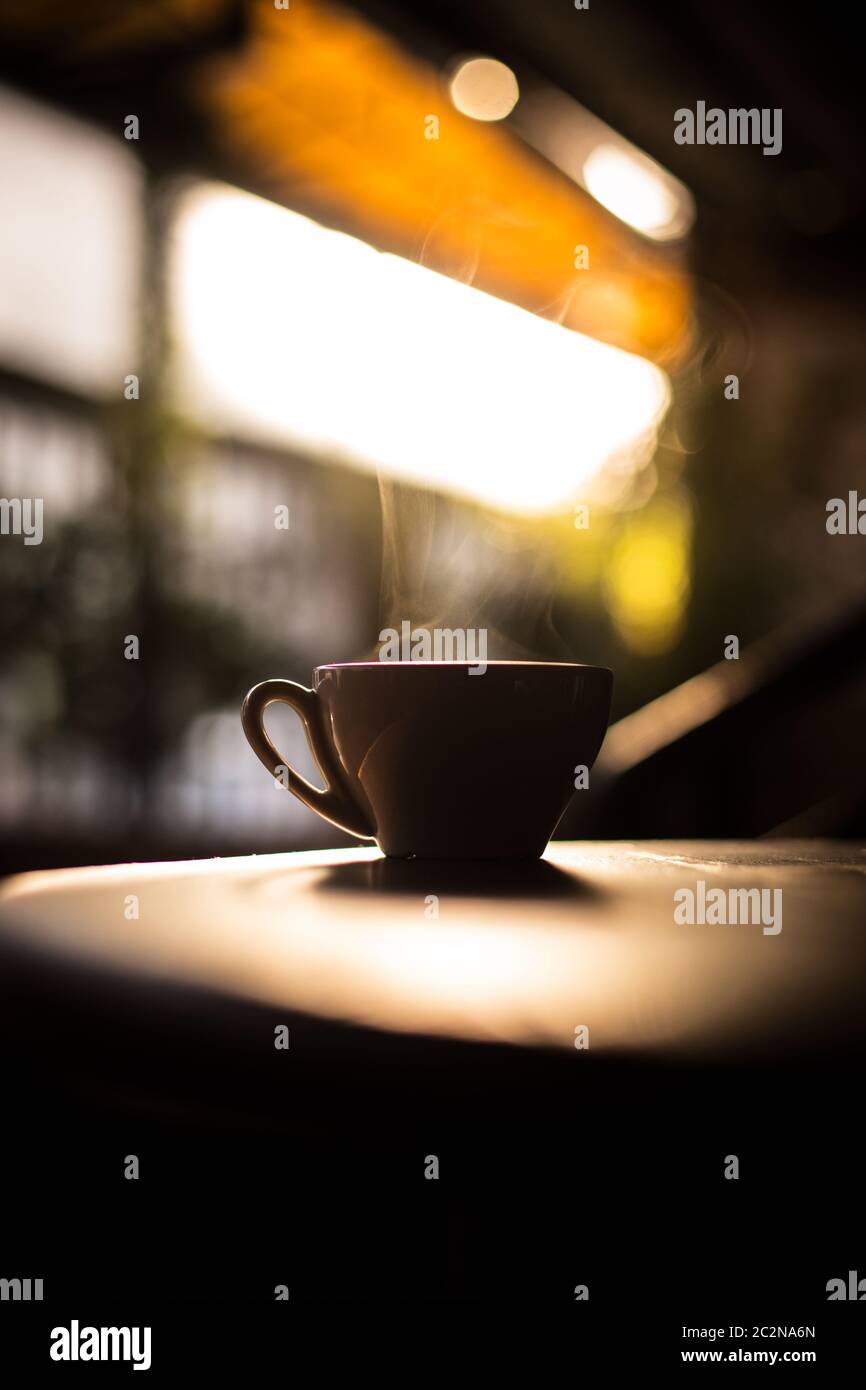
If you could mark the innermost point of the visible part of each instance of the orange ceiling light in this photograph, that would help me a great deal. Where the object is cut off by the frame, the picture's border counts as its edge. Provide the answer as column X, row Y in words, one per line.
column 323, row 112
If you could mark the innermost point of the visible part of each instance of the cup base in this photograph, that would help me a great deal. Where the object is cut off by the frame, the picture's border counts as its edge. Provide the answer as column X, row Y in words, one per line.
column 487, row 853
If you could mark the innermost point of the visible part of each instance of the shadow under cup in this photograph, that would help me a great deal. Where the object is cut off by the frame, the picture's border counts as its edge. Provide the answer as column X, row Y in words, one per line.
column 431, row 760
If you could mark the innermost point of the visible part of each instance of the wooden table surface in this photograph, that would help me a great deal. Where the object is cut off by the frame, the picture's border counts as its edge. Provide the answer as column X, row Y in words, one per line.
column 413, row 1035
column 522, row 954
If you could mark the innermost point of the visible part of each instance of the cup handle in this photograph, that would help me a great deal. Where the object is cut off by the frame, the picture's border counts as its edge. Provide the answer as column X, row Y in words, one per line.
column 335, row 802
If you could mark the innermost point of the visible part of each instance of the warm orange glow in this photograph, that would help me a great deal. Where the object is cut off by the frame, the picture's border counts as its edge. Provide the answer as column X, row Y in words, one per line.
column 327, row 114
column 319, row 110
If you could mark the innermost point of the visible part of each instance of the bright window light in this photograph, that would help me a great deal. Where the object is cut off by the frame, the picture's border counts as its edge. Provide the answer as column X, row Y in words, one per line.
column 297, row 334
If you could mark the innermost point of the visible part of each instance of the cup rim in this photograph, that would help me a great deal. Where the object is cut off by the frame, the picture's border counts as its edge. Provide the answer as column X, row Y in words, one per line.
column 538, row 665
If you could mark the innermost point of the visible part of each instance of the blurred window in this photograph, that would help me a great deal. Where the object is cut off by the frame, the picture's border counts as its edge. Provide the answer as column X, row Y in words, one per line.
column 69, row 249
